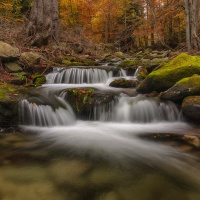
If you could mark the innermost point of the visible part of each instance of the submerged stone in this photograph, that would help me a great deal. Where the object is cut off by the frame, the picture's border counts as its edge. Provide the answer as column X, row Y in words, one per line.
column 165, row 77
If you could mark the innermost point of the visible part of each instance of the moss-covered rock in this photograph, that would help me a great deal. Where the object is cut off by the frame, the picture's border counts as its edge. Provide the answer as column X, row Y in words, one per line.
column 130, row 63
column 83, row 100
column 185, row 87
column 123, row 83
column 191, row 108
column 38, row 80
column 166, row 76
column 9, row 98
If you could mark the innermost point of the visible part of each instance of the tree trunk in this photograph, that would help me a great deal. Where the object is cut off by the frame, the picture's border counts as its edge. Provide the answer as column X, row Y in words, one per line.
column 43, row 22
column 192, row 15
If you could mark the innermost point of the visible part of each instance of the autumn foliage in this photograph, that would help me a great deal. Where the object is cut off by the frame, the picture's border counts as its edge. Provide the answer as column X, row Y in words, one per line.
column 127, row 24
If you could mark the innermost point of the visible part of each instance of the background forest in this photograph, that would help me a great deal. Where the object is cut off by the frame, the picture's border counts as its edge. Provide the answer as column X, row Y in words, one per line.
column 126, row 25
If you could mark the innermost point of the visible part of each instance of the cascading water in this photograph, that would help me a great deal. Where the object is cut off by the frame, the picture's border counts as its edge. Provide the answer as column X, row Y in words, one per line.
column 105, row 156
column 45, row 115
column 78, row 75
column 137, row 110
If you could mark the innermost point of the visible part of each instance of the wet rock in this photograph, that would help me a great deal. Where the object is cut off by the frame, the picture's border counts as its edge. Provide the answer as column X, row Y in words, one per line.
column 18, row 81
column 123, row 83
column 9, row 98
column 84, row 100
column 38, row 80
column 193, row 140
column 185, row 87
column 166, row 76
column 191, row 108
column 12, row 67
column 8, row 52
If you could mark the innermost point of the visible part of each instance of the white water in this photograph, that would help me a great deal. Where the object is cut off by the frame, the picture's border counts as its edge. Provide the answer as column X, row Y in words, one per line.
column 114, row 137
column 77, row 75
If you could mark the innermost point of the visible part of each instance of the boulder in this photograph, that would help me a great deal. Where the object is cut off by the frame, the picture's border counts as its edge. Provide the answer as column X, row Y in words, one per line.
column 12, row 67
column 30, row 58
column 8, row 52
column 155, row 63
column 185, row 87
column 123, row 83
column 9, row 102
column 38, row 80
column 166, row 76
column 84, row 100
column 191, row 108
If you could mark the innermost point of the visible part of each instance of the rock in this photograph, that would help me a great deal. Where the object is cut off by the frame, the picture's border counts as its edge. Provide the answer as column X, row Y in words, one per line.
column 166, row 76
column 18, row 80
column 131, row 65
column 9, row 100
column 9, row 113
column 155, row 63
column 84, row 100
column 38, row 80
column 193, row 140
column 12, row 67
column 8, row 52
column 123, row 83
column 31, row 58
column 191, row 108
column 183, row 88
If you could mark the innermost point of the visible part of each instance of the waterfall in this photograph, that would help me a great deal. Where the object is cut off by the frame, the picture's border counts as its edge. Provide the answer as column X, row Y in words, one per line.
column 137, row 110
column 78, row 75
column 45, row 115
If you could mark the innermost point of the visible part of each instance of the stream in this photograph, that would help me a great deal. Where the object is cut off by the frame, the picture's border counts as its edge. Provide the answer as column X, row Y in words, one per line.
column 127, row 149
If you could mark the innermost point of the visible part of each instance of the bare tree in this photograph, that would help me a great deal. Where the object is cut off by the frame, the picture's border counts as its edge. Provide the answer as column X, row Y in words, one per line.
column 43, row 22
column 192, row 17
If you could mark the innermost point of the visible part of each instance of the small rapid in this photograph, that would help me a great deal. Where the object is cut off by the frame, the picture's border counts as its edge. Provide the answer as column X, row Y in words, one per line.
column 79, row 75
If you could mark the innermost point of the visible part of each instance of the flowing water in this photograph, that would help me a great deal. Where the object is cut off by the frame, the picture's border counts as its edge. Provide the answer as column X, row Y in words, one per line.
column 127, row 149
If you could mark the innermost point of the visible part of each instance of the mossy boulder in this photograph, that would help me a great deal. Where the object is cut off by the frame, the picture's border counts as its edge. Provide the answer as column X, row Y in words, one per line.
column 185, row 87
column 8, row 52
column 131, row 65
column 123, row 83
column 166, row 76
column 84, row 100
column 9, row 99
column 12, row 67
column 191, row 108
column 38, row 80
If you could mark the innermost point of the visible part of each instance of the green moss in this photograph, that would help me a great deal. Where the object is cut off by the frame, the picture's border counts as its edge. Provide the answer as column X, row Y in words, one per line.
column 6, row 90
column 190, row 81
column 81, row 97
column 165, row 77
column 38, row 79
column 69, row 63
